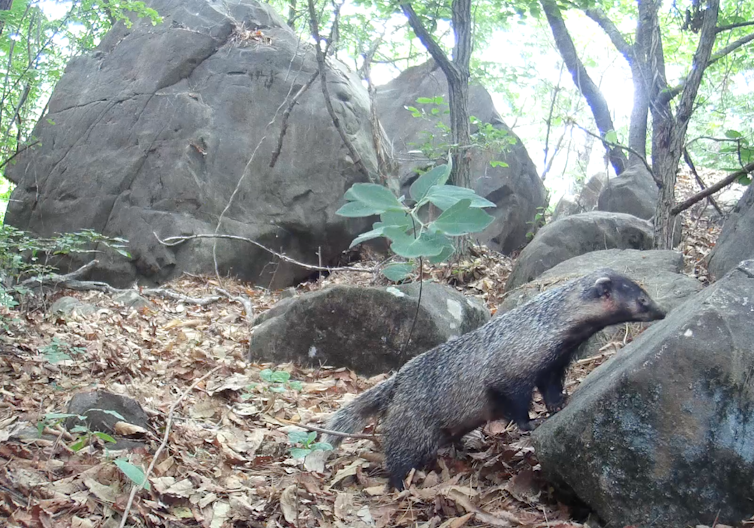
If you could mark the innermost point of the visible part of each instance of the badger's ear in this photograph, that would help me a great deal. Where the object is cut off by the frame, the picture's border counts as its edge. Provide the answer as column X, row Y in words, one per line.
column 603, row 286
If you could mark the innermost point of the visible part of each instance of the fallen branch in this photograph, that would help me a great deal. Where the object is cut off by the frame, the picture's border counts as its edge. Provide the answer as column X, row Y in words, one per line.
column 242, row 300
column 70, row 281
column 176, row 240
column 712, row 189
column 692, row 167
column 168, row 425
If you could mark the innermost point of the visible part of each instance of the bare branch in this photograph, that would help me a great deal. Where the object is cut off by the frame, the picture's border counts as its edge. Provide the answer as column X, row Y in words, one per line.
column 616, row 37
column 314, row 25
column 692, row 167
column 286, row 115
column 176, row 240
column 720, row 29
column 712, row 189
column 54, row 278
column 432, row 47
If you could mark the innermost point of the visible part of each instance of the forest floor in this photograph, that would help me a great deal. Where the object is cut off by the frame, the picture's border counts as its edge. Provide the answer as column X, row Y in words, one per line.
column 226, row 459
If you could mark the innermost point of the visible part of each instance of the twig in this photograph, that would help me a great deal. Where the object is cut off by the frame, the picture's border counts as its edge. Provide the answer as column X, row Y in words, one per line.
column 168, row 425
column 657, row 180
column 712, row 189
column 19, row 151
column 176, row 240
column 54, row 278
column 690, row 163
column 326, row 93
column 243, row 300
column 333, row 433
column 286, row 115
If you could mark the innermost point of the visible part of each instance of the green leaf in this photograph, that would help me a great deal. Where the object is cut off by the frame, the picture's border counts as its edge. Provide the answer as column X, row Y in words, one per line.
column 427, row 245
column 437, row 176
column 425, row 100
column 298, row 437
column 295, row 385
column 444, row 255
column 266, row 375
column 280, row 376
column 395, row 218
column 322, row 446
column 104, row 436
column 112, row 413
column 298, row 452
column 461, row 219
column 369, row 235
column 78, row 445
column 356, row 210
column 379, row 198
column 611, row 136
column 733, row 134
column 448, row 195
column 496, row 163
column 398, row 271
column 132, row 472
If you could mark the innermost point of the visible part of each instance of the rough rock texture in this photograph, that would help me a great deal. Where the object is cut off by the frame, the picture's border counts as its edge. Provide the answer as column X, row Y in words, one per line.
column 736, row 240
column 363, row 329
column 633, row 192
column 516, row 189
column 91, row 405
column 575, row 235
column 69, row 305
column 585, row 201
column 661, row 435
column 154, row 130
column 658, row 272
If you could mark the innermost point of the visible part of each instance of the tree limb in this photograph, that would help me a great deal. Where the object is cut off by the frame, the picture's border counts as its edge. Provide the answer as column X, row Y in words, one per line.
column 712, row 189
column 286, row 115
column 314, row 25
column 583, row 81
column 611, row 30
column 176, row 240
column 692, row 167
column 434, row 49
column 720, row 29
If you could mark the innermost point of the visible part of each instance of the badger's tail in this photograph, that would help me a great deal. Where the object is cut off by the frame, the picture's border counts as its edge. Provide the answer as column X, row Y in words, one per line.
column 354, row 417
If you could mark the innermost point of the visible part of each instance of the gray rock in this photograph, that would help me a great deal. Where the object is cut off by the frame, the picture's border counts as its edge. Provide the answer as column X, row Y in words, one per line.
column 657, row 271
column 585, row 201
column 154, row 130
column 575, row 235
column 92, row 405
column 736, row 240
column 661, row 435
column 69, row 305
column 132, row 299
column 363, row 329
column 517, row 189
column 634, row 192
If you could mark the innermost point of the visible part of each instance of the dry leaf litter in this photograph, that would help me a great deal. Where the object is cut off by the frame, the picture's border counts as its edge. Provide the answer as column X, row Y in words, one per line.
column 227, row 460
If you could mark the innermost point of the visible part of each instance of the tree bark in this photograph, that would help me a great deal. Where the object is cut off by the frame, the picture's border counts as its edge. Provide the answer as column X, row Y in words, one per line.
column 457, row 74
column 584, row 83
column 669, row 131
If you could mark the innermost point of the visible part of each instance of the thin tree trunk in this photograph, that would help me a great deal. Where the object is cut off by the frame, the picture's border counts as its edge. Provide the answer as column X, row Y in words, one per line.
column 669, row 133
column 584, row 83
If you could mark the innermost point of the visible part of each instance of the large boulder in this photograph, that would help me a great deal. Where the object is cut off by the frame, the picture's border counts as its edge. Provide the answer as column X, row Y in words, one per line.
column 517, row 189
column 584, row 202
column 657, row 271
column 634, row 192
column 163, row 129
column 736, row 240
column 575, row 235
column 661, row 435
column 364, row 329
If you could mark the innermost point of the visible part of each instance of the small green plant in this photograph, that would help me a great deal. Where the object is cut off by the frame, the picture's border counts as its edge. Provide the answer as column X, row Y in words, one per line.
column 276, row 381
column 304, row 444
column 409, row 236
column 59, row 350
column 85, row 436
column 538, row 222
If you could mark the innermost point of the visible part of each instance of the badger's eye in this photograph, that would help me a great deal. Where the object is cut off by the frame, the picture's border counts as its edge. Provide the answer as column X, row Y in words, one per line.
column 643, row 301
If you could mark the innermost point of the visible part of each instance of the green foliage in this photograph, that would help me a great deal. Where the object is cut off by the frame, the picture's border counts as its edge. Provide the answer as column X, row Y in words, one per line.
column 83, row 434
column 538, row 222
column 36, row 48
column 58, row 350
column 306, row 444
column 134, row 473
column 411, row 237
column 275, row 381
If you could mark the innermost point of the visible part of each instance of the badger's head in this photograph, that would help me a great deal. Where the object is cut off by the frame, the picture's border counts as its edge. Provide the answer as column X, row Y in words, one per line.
column 618, row 299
